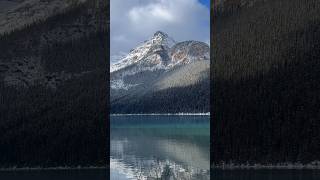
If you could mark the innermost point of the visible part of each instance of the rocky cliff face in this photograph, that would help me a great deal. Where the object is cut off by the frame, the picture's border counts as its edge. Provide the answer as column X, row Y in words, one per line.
column 188, row 52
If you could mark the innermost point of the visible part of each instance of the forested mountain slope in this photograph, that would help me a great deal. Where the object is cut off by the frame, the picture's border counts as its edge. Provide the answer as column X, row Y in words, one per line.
column 53, row 90
column 266, row 83
column 16, row 14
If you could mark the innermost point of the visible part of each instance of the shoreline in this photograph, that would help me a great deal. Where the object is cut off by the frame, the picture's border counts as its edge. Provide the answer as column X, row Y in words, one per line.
column 280, row 166
column 164, row 114
column 13, row 169
column 222, row 168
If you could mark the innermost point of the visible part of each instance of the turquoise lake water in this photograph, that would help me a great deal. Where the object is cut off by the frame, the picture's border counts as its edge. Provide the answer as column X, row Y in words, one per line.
column 163, row 147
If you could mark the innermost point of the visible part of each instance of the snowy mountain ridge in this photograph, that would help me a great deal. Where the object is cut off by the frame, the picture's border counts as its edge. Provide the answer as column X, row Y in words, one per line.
column 160, row 41
column 161, row 52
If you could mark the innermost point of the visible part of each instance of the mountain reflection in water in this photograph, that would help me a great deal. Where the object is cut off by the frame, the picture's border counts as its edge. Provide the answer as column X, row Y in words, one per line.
column 160, row 146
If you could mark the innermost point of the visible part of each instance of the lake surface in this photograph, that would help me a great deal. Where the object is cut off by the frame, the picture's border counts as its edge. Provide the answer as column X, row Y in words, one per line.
column 90, row 174
column 160, row 146
column 167, row 147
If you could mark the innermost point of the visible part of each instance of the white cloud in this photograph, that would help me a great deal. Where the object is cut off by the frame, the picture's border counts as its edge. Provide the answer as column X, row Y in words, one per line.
column 133, row 21
column 152, row 12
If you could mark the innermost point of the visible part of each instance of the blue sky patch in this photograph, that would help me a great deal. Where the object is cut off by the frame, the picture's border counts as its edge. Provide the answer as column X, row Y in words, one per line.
column 205, row 2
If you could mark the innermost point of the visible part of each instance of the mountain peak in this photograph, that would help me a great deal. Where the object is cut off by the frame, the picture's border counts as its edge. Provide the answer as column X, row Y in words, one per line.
column 160, row 37
column 160, row 33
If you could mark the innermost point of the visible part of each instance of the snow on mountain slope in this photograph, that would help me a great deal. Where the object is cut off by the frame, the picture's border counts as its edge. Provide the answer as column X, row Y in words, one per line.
column 150, row 52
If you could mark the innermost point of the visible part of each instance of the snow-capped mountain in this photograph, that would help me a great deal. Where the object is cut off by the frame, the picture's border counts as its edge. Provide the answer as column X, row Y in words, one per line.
column 153, row 52
column 162, row 52
column 160, row 64
column 159, row 53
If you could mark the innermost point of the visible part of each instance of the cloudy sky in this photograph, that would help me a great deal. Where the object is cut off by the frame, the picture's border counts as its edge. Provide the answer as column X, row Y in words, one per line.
column 134, row 21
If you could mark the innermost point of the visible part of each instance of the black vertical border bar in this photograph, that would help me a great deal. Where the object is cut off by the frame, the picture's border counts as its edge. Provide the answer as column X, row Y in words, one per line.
column 107, row 40
column 108, row 95
column 212, row 46
column 104, row 22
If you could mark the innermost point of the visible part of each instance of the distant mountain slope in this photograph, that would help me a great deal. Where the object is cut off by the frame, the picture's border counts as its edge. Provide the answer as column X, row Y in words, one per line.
column 183, row 76
column 266, row 84
column 158, row 70
column 53, row 89
column 18, row 14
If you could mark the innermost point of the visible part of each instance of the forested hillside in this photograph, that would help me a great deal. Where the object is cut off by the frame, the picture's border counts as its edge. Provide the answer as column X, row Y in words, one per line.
column 189, row 99
column 266, row 83
column 53, row 90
